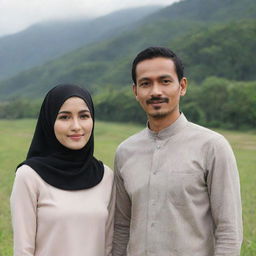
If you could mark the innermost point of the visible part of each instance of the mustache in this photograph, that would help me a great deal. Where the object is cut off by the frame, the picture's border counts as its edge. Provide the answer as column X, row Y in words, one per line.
column 158, row 99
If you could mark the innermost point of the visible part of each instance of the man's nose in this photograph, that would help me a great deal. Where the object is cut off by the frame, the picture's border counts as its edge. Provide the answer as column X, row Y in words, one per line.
column 156, row 90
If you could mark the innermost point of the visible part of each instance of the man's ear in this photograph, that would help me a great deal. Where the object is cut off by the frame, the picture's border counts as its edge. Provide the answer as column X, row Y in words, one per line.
column 183, row 86
column 134, row 89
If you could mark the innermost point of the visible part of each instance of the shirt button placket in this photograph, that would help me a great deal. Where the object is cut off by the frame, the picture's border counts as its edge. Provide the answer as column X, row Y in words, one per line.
column 153, row 199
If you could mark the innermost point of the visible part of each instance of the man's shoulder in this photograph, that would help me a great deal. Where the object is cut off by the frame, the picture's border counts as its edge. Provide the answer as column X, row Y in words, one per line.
column 133, row 140
column 206, row 136
column 202, row 131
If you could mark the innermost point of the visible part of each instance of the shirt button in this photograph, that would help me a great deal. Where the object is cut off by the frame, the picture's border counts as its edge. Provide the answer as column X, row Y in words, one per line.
column 152, row 225
column 158, row 146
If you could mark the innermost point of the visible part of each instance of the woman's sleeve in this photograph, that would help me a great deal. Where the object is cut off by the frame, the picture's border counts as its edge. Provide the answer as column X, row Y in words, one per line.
column 110, row 222
column 24, row 211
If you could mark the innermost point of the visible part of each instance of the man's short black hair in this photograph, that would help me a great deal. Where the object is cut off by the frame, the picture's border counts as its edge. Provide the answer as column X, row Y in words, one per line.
column 154, row 52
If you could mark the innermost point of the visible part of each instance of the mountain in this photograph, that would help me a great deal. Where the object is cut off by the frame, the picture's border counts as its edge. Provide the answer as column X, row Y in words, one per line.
column 49, row 40
column 208, row 11
column 207, row 34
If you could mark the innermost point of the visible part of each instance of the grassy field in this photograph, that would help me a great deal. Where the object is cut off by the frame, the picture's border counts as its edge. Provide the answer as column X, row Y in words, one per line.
column 16, row 136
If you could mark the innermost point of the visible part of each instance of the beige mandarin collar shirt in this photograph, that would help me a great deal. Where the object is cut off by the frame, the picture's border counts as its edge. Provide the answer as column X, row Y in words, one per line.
column 178, row 194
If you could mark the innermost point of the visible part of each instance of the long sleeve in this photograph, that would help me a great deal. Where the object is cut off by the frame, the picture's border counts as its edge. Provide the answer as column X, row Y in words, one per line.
column 110, row 223
column 23, row 210
column 122, row 216
column 224, row 191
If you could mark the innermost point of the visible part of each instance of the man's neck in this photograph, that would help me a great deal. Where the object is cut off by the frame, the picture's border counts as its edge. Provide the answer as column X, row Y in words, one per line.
column 158, row 124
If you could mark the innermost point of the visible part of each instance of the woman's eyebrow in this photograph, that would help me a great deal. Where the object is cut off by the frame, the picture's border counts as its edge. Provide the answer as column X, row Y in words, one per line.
column 64, row 112
column 85, row 110
column 69, row 112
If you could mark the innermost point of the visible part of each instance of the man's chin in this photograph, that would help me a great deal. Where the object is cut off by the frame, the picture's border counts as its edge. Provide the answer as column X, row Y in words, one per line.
column 158, row 115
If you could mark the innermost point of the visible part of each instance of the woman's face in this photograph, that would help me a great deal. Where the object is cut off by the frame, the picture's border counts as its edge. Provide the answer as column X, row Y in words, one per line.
column 73, row 125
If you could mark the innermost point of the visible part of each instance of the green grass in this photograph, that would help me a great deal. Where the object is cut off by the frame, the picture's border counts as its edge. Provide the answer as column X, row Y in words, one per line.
column 16, row 136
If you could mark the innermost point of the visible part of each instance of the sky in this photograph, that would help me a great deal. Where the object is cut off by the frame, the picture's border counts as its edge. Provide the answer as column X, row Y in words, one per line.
column 16, row 15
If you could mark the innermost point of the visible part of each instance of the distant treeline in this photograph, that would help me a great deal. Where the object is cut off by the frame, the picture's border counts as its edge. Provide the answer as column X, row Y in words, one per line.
column 216, row 102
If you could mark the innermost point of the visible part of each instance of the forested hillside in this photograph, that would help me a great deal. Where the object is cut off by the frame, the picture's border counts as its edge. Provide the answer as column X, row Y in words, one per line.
column 208, row 11
column 215, row 39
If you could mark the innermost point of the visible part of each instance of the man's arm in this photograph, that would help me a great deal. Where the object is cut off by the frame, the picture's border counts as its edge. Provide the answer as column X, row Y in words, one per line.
column 224, row 191
column 122, row 215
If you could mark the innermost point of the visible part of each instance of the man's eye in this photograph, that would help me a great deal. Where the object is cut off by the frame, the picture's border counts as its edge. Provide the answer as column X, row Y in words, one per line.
column 144, row 84
column 166, row 81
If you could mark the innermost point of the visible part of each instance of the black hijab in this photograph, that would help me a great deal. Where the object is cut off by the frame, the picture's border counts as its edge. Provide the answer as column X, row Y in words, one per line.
column 57, row 165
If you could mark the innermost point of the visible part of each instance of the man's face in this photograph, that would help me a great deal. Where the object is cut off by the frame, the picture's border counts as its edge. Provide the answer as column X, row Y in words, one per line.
column 158, row 89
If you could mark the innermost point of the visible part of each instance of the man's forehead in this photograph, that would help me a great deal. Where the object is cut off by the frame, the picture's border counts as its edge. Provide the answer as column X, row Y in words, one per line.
column 156, row 66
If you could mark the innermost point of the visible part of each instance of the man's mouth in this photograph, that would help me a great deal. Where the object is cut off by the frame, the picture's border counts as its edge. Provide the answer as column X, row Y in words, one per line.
column 157, row 100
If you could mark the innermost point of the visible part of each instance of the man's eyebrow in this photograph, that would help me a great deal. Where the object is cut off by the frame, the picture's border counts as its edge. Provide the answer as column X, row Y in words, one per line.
column 143, row 79
column 165, row 76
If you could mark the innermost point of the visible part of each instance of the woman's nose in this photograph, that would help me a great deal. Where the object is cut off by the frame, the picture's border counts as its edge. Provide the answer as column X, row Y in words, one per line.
column 75, row 124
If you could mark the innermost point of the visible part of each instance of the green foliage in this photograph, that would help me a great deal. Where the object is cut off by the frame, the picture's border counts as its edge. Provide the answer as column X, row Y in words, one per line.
column 19, row 108
column 210, row 11
column 223, row 50
column 241, row 105
column 118, row 106
column 219, row 102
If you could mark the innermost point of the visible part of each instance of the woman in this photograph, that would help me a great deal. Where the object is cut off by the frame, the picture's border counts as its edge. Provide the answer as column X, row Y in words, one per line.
column 62, row 201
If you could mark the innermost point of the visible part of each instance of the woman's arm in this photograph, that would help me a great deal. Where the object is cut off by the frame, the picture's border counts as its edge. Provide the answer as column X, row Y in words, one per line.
column 110, row 222
column 24, row 211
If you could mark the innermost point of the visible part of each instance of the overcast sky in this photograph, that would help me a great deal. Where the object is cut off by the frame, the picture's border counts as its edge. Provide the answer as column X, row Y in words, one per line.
column 16, row 15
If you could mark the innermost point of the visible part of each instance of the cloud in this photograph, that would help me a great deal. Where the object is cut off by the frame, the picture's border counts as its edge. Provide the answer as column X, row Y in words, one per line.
column 16, row 15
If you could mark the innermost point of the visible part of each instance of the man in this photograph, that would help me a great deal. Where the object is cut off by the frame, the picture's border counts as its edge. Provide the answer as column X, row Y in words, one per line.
column 178, row 191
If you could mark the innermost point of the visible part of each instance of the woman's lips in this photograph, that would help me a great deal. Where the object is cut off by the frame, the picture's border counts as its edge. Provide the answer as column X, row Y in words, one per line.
column 76, row 136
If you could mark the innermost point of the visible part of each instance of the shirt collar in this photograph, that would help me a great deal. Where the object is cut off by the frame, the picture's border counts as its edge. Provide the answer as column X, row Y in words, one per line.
column 171, row 130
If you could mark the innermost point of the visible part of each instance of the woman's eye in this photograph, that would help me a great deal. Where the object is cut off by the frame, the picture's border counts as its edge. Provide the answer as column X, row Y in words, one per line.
column 85, row 116
column 64, row 117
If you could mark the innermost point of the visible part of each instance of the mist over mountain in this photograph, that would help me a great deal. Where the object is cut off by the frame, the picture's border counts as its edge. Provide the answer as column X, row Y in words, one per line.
column 46, row 41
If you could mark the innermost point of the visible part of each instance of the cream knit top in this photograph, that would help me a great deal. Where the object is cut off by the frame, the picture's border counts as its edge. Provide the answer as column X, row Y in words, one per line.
column 48, row 221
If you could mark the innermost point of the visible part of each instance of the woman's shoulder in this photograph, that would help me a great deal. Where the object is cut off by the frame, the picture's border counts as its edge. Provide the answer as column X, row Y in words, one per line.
column 27, row 174
column 26, row 181
column 107, row 169
column 25, row 170
column 108, row 173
